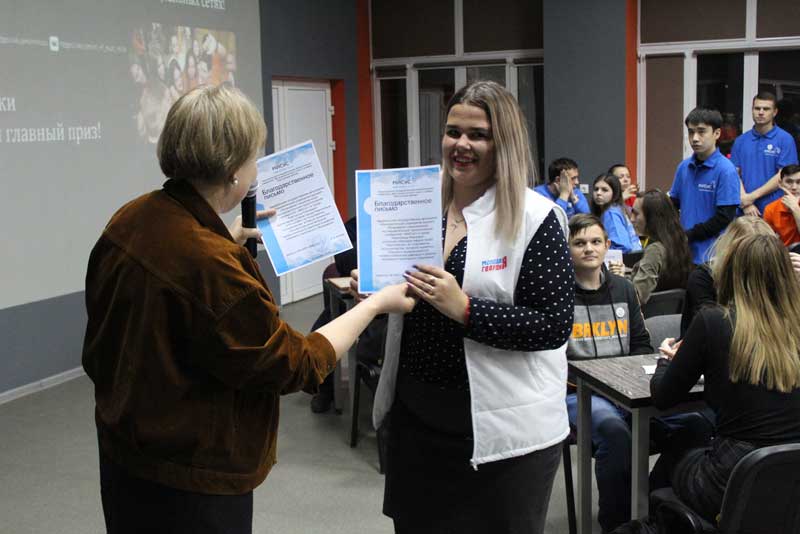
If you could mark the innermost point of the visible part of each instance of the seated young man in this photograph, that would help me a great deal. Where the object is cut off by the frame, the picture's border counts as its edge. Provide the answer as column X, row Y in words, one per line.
column 783, row 215
column 608, row 322
column 564, row 187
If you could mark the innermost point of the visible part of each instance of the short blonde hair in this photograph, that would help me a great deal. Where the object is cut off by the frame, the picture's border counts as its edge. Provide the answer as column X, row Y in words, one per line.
column 209, row 133
column 514, row 171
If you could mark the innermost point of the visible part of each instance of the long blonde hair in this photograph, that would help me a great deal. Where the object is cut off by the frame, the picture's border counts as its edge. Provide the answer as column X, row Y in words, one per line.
column 756, row 281
column 514, row 170
column 739, row 228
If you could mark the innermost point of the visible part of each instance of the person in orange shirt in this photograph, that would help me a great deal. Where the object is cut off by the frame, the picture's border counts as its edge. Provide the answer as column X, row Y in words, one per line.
column 783, row 215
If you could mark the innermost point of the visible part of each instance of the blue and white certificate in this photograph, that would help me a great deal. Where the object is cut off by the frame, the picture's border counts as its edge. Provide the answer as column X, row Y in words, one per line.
column 399, row 223
column 307, row 227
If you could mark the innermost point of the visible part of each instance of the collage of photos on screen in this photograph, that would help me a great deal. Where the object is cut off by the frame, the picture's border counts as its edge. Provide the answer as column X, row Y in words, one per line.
column 168, row 61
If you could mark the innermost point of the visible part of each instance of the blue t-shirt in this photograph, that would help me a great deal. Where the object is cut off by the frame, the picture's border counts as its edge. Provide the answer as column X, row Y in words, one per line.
column 759, row 157
column 581, row 206
column 700, row 187
column 620, row 230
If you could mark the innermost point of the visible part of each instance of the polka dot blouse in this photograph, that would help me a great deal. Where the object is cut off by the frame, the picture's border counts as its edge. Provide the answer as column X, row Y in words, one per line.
column 432, row 347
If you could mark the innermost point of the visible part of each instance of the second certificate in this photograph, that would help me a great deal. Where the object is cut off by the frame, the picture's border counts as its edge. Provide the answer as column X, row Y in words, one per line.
column 399, row 223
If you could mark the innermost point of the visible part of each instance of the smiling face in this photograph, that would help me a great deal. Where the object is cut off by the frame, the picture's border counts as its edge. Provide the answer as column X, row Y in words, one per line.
column 468, row 147
column 588, row 248
column 602, row 193
column 703, row 139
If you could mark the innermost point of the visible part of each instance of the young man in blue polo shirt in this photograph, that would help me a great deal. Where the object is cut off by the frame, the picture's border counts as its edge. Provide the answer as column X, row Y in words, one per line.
column 706, row 186
column 563, row 187
column 760, row 153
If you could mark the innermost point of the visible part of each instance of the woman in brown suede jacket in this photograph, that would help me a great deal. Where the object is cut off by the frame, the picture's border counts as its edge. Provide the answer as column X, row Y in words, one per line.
column 184, row 342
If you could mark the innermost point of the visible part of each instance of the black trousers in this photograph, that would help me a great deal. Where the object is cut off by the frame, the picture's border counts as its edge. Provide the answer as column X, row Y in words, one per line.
column 136, row 506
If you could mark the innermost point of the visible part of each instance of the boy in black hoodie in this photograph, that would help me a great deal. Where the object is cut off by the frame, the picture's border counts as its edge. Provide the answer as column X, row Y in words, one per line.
column 608, row 322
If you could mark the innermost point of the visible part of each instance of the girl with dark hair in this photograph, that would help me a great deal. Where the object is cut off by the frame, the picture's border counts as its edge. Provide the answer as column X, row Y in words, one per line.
column 667, row 260
column 608, row 207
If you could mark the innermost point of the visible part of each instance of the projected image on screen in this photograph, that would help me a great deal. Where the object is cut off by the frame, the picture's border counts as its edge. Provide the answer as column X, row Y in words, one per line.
column 168, row 61
column 85, row 89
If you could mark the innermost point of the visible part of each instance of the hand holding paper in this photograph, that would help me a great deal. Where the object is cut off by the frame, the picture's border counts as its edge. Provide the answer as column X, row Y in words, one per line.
column 241, row 234
column 307, row 227
column 440, row 289
column 399, row 223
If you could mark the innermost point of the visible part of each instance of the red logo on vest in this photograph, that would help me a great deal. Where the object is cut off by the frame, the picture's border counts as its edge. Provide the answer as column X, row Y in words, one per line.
column 497, row 264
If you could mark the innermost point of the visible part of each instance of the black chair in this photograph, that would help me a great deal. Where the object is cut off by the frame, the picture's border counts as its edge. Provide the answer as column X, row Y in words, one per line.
column 566, row 456
column 632, row 258
column 368, row 371
column 663, row 326
column 667, row 302
column 762, row 496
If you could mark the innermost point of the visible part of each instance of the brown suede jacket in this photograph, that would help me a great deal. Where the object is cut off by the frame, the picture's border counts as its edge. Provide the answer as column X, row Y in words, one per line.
column 186, row 349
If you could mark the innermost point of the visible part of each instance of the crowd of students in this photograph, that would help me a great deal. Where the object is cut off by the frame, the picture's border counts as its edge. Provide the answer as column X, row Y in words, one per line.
column 736, row 285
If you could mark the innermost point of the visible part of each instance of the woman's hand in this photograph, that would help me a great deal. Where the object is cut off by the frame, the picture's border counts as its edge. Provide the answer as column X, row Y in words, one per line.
column 439, row 288
column 241, row 234
column 629, row 192
column 393, row 299
column 669, row 347
column 617, row 267
column 354, row 286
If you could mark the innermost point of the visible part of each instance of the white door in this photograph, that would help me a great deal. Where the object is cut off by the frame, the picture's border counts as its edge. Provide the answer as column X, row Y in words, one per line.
column 302, row 111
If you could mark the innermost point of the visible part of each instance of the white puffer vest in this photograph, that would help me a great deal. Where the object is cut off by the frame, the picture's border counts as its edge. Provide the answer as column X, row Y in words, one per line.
column 517, row 398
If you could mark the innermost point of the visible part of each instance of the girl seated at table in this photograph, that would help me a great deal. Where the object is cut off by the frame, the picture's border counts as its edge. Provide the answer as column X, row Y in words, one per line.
column 607, row 205
column 748, row 348
column 667, row 260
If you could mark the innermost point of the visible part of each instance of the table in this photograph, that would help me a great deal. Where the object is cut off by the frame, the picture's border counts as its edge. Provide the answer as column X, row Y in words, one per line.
column 341, row 301
column 623, row 381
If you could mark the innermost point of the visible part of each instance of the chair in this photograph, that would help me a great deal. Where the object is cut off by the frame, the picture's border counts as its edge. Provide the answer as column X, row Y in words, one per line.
column 568, row 484
column 663, row 326
column 762, row 496
column 664, row 303
column 368, row 371
column 632, row 258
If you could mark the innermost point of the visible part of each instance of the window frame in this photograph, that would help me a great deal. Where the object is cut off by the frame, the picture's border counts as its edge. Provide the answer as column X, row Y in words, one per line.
column 750, row 46
column 459, row 61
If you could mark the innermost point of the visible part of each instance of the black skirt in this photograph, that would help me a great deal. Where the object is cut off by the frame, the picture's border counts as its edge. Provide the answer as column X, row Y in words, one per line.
column 432, row 487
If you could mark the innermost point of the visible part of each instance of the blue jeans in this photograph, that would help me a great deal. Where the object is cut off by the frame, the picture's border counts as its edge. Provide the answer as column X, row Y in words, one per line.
column 611, row 446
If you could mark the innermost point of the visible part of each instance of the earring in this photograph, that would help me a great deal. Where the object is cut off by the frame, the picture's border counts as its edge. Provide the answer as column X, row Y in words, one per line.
column 235, row 181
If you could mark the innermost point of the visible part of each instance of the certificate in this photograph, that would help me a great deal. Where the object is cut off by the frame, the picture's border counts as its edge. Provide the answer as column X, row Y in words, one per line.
column 399, row 223
column 307, row 227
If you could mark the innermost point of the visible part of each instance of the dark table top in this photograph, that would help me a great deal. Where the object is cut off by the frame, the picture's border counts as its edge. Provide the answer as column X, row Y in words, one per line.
column 623, row 379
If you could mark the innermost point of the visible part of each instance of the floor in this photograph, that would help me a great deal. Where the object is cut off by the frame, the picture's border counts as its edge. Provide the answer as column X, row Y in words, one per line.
column 49, row 474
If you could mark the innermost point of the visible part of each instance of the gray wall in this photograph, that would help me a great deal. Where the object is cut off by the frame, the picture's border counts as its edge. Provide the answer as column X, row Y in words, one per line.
column 314, row 40
column 584, row 83
column 41, row 339
column 299, row 38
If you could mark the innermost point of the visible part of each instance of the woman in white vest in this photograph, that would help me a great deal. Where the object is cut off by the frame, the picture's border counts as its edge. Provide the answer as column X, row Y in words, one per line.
column 473, row 381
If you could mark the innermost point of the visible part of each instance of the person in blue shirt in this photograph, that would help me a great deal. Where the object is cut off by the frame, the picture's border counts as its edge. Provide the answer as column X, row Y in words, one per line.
column 563, row 187
column 760, row 153
column 706, row 185
column 608, row 207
